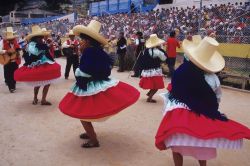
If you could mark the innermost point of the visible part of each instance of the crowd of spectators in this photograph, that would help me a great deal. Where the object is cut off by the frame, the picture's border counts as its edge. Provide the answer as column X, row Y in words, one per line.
column 229, row 23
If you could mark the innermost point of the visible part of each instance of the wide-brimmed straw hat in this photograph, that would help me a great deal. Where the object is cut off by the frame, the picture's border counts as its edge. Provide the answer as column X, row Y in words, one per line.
column 205, row 55
column 154, row 41
column 10, row 34
column 92, row 30
column 35, row 31
column 70, row 33
column 196, row 39
column 46, row 32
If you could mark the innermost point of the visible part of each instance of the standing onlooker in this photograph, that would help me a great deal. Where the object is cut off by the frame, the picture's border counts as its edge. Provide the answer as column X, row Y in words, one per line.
column 140, row 43
column 172, row 43
column 11, row 49
column 121, row 51
column 71, row 49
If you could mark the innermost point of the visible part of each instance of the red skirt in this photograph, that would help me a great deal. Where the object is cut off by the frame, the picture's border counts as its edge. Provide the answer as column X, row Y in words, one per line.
column 155, row 82
column 38, row 73
column 183, row 121
column 100, row 105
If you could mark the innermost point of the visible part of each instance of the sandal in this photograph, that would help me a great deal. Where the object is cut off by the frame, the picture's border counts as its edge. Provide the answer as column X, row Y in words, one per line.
column 84, row 136
column 151, row 101
column 90, row 145
column 46, row 103
column 35, row 101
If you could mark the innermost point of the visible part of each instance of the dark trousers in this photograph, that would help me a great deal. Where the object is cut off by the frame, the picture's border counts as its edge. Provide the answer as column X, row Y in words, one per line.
column 121, row 58
column 71, row 60
column 137, row 66
column 9, row 70
column 137, row 69
column 171, row 66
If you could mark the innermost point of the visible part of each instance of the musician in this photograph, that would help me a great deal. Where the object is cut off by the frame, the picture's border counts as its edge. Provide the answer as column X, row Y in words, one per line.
column 49, row 42
column 71, row 51
column 10, row 52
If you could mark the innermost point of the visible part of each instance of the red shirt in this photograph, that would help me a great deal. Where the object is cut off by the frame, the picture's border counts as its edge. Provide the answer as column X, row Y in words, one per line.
column 172, row 44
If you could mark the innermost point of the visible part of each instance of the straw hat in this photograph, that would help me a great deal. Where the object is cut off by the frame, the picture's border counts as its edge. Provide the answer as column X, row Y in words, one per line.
column 10, row 34
column 205, row 55
column 71, row 33
column 46, row 32
column 154, row 41
column 35, row 31
column 92, row 30
column 196, row 39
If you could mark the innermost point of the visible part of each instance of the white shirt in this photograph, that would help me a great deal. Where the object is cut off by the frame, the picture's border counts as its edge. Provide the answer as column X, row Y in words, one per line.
column 157, row 54
column 214, row 82
column 1, row 47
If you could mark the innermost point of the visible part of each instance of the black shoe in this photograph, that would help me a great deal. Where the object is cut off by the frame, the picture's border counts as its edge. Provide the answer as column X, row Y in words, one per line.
column 12, row 90
column 84, row 136
column 66, row 78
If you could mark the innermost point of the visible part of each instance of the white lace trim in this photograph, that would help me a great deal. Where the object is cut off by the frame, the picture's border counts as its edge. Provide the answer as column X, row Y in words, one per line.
column 170, row 105
column 90, row 93
column 152, row 72
column 179, row 139
column 42, row 83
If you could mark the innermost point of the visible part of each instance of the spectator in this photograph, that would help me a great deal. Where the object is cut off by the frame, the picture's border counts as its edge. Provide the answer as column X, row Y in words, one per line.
column 140, row 43
column 121, row 51
column 171, row 45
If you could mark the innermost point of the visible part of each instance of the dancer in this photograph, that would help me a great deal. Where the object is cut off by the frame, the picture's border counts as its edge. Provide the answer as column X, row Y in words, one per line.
column 151, row 76
column 192, row 124
column 95, row 96
column 39, row 68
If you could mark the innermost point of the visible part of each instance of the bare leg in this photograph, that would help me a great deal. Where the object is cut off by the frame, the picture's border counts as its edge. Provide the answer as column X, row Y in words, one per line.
column 202, row 162
column 88, row 127
column 45, row 92
column 151, row 94
column 178, row 159
column 36, row 90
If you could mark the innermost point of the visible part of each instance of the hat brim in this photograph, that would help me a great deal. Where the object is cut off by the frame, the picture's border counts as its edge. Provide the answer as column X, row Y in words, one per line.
column 47, row 33
column 188, row 44
column 28, row 37
column 12, row 37
column 151, row 45
column 215, row 64
column 77, row 30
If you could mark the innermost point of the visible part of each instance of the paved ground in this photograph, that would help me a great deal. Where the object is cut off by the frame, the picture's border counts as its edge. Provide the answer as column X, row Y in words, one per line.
column 43, row 136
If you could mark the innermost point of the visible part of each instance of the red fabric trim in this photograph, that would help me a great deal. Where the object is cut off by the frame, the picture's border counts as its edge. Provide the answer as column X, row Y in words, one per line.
column 39, row 73
column 183, row 121
column 155, row 82
column 100, row 105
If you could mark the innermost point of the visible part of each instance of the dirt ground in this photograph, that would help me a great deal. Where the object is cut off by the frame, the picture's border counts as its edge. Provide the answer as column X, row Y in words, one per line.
column 43, row 136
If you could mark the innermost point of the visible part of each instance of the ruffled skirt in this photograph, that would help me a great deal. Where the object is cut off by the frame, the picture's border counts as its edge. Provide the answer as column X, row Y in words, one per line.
column 152, row 79
column 181, row 128
column 38, row 75
column 100, row 100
